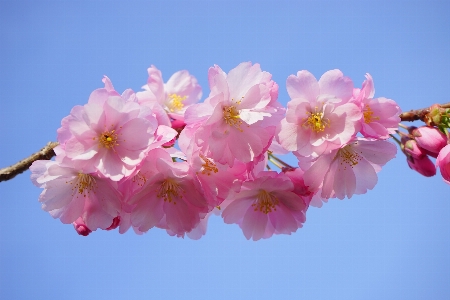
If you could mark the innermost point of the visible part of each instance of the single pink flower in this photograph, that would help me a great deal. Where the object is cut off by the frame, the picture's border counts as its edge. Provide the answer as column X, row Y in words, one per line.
column 380, row 115
column 69, row 193
column 238, row 119
column 350, row 169
column 443, row 161
column 430, row 139
column 170, row 197
column 181, row 91
column 319, row 117
column 103, row 134
column 266, row 206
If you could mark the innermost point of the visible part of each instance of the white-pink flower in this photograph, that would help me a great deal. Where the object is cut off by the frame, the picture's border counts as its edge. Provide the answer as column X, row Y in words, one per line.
column 238, row 119
column 170, row 197
column 319, row 117
column 380, row 115
column 175, row 96
column 70, row 193
column 351, row 169
column 110, row 134
column 265, row 206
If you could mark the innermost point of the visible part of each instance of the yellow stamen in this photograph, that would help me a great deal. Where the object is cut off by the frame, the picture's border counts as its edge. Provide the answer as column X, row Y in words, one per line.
column 231, row 117
column 266, row 202
column 349, row 156
column 209, row 166
column 176, row 102
column 169, row 190
column 108, row 139
column 368, row 114
column 316, row 121
column 139, row 179
column 83, row 185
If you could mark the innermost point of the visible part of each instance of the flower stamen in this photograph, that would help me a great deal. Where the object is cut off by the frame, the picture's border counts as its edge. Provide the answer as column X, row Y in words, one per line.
column 368, row 114
column 209, row 166
column 349, row 156
column 84, row 184
column 176, row 102
column 316, row 121
column 108, row 139
column 265, row 202
column 169, row 190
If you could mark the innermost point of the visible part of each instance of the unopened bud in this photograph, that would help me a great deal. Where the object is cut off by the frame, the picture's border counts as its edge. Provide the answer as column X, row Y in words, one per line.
column 430, row 138
column 81, row 228
column 422, row 165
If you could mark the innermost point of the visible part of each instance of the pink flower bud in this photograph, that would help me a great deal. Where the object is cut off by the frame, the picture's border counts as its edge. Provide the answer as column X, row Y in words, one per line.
column 410, row 147
column 178, row 125
column 422, row 165
column 81, row 228
column 430, row 138
column 443, row 161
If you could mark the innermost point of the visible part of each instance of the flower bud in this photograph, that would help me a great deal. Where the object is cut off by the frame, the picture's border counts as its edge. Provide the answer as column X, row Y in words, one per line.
column 411, row 148
column 422, row 165
column 81, row 228
column 434, row 116
column 430, row 138
column 443, row 161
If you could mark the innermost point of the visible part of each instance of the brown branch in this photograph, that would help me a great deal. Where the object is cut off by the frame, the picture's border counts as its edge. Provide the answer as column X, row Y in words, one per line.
column 419, row 114
column 23, row 165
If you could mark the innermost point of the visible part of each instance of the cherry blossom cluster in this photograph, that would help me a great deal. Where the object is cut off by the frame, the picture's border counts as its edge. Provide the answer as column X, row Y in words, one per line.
column 430, row 141
column 159, row 158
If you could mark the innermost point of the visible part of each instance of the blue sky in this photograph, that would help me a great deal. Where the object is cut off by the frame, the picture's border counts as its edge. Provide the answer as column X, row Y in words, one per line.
column 391, row 243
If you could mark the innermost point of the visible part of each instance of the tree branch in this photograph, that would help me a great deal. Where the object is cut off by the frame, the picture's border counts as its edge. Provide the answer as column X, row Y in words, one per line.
column 419, row 114
column 23, row 165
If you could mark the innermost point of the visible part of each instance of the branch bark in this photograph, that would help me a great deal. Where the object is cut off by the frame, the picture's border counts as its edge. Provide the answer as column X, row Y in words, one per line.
column 23, row 165
column 418, row 114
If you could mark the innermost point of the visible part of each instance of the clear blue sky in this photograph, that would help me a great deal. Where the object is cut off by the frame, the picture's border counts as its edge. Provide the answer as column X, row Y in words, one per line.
column 392, row 243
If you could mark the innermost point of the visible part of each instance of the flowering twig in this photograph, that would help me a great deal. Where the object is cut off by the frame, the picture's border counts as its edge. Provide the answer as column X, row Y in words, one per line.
column 23, row 165
column 419, row 114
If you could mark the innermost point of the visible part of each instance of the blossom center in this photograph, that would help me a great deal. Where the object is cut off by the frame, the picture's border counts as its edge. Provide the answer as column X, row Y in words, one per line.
column 176, row 102
column 169, row 189
column 84, row 184
column 108, row 139
column 208, row 165
column 139, row 179
column 231, row 117
column 265, row 202
column 316, row 121
column 349, row 156
column 368, row 114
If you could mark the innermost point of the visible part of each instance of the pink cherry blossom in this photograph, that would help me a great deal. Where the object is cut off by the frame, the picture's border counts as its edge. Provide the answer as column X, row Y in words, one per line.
column 443, row 161
column 238, row 119
column 350, row 169
column 181, row 91
column 103, row 134
column 380, row 115
column 319, row 117
column 266, row 206
column 170, row 197
column 70, row 194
